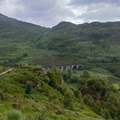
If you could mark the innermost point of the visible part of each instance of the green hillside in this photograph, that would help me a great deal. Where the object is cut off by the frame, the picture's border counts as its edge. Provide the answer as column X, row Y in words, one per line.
column 18, row 39
column 34, row 93
column 66, row 42
column 94, row 41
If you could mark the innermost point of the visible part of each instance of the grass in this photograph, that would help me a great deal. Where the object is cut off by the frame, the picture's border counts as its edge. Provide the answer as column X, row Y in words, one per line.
column 17, row 104
column 15, row 115
column 100, row 73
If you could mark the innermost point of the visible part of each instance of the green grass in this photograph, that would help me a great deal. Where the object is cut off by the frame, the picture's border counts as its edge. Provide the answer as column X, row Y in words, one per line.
column 15, row 115
column 44, row 99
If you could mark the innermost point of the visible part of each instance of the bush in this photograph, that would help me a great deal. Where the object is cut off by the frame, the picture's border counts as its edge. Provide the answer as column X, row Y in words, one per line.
column 67, row 75
column 88, row 100
column 85, row 75
column 41, row 116
column 55, row 78
column 2, row 95
column 105, row 114
column 112, row 103
column 78, row 94
column 15, row 115
column 74, row 79
column 68, row 100
column 28, row 88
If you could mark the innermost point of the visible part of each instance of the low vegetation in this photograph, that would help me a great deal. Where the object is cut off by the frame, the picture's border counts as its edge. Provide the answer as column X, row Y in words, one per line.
column 34, row 93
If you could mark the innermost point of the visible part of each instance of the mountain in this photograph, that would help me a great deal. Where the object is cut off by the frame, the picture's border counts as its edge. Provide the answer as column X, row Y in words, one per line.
column 18, row 38
column 66, row 43
column 64, row 25
column 93, row 42
column 6, row 19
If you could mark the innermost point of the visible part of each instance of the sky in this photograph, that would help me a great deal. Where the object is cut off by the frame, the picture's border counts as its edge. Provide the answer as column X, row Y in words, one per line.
column 50, row 12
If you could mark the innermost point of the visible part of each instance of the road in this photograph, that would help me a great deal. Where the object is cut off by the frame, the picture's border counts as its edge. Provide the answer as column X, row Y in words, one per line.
column 5, row 72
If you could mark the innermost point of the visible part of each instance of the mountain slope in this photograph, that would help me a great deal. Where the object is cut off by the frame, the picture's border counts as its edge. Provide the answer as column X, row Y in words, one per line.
column 66, row 43
column 17, row 37
column 84, row 41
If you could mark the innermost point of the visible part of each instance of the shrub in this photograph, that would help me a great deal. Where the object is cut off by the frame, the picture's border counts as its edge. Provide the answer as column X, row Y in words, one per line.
column 15, row 115
column 68, row 100
column 55, row 78
column 41, row 116
column 28, row 88
column 88, row 100
column 74, row 79
column 85, row 75
column 105, row 114
column 67, row 75
column 2, row 95
column 78, row 94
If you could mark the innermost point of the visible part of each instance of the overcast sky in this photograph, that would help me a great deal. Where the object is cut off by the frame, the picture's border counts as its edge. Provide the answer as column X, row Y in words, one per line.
column 50, row 12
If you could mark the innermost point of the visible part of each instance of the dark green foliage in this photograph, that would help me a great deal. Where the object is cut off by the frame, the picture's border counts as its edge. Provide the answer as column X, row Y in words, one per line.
column 85, row 75
column 74, row 79
column 68, row 100
column 55, row 78
column 114, row 68
column 11, row 62
column 2, row 96
column 88, row 100
column 93, row 87
column 78, row 94
column 101, row 97
column 28, row 76
column 28, row 88
column 41, row 116
column 47, row 79
column 67, row 75
column 112, row 103
column 105, row 114
column 15, row 115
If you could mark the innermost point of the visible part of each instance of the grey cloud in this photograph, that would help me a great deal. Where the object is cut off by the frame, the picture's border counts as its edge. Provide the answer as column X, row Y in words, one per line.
column 96, row 10
column 99, row 13
column 37, row 4
column 47, row 13
column 88, row 2
column 1, row 1
column 51, row 12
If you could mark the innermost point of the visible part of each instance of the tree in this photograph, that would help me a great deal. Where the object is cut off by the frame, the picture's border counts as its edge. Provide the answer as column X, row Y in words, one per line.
column 28, row 89
column 68, row 100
